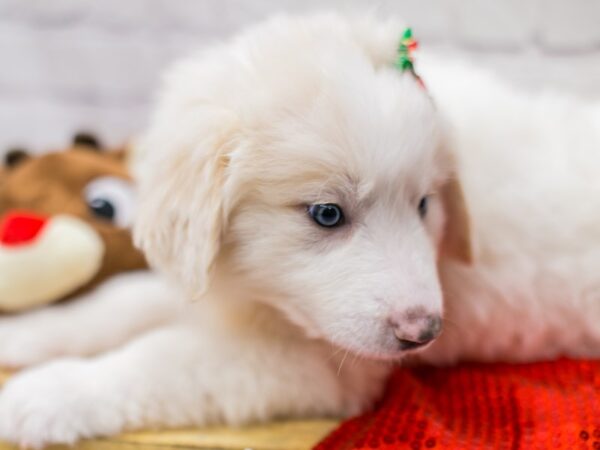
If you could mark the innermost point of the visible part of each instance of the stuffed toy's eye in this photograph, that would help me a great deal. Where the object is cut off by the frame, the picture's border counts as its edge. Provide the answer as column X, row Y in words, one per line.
column 103, row 208
column 326, row 214
column 423, row 204
column 111, row 199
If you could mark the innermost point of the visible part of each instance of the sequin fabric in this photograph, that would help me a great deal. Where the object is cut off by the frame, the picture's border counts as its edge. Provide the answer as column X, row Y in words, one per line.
column 550, row 405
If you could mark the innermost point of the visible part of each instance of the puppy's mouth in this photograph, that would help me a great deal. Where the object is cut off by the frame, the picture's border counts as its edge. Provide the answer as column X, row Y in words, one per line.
column 397, row 345
column 396, row 356
column 409, row 346
column 394, row 353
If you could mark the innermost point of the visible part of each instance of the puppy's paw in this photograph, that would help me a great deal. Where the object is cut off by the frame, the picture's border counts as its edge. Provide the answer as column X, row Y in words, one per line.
column 24, row 346
column 55, row 404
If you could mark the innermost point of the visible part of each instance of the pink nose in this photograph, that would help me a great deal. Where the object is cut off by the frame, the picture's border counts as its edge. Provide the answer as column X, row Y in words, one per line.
column 20, row 227
column 416, row 328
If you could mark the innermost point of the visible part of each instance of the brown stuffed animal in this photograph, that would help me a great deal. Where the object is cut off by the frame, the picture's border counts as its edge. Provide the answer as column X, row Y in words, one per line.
column 64, row 219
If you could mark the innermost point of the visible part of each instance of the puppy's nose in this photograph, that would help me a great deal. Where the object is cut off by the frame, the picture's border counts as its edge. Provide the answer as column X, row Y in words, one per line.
column 416, row 328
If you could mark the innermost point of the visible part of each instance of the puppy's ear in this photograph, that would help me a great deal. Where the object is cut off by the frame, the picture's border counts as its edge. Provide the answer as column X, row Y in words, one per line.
column 456, row 241
column 183, row 204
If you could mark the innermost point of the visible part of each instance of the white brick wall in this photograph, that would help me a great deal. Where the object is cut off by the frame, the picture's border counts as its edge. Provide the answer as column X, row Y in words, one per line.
column 69, row 64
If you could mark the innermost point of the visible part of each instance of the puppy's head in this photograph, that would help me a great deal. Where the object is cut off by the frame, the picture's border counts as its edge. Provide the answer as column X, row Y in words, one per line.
column 298, row 165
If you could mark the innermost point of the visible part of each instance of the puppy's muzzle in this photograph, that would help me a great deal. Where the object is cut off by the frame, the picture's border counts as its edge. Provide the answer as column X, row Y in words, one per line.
column 416, row 328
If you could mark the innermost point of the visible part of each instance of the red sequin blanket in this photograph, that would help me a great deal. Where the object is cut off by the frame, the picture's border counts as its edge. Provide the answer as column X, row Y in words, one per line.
column 550, row 405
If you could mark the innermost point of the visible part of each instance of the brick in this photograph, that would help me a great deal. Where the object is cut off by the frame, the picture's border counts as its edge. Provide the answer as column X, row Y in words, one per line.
column 82, row 63
column 430, row 19
column 42, row 12
column 569, row 25
column 42, row 124
column 22, row 69
column 494, row 25
column 204, row 17
column 534, row 71
column 128, row 16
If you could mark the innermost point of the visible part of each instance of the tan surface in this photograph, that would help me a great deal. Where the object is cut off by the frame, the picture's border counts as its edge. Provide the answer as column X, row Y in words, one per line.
column 3, row 376
column 296, row 435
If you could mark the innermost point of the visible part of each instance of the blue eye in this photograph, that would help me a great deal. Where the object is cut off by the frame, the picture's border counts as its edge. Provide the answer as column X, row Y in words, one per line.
column 423, row 206
column 326, row 215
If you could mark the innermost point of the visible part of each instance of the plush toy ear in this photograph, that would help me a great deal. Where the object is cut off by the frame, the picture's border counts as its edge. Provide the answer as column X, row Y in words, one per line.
column 182, row 174
column 86, row 140
column 456, row 242
column 15, row 157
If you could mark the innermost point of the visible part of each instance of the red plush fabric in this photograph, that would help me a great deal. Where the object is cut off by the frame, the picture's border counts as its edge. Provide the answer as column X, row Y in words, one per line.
column 550, row 405
column 18, row 228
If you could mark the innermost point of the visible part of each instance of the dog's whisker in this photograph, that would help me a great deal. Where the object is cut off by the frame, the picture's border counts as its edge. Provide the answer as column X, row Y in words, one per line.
column 354, row 359
column 342, row 362
column 334, row 353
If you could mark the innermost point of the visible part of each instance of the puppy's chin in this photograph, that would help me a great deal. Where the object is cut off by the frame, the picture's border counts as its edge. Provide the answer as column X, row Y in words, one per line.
column 388, row 351
column 398, row 355
column 384, row 354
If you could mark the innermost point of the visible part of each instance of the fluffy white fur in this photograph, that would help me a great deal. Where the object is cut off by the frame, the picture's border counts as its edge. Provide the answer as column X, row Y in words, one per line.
column 529, row 168
column 119, row 309
column 293, row 320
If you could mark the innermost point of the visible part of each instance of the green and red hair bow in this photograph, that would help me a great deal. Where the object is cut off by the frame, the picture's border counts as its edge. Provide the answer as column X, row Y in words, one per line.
column 405, row 60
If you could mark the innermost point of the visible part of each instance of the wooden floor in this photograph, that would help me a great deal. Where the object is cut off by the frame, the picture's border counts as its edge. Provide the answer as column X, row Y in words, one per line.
column 296, row 435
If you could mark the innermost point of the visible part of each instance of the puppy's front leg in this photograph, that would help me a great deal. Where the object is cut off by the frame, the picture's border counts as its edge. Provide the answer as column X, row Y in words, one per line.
column 148, row 383
column 173, row 377
column 94, row 322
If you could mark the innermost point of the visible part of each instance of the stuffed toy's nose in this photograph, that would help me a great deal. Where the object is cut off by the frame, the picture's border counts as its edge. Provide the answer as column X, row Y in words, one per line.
column 19, row 227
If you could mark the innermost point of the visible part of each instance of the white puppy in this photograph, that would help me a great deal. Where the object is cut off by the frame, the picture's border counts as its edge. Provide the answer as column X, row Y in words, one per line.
column 304, row 192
